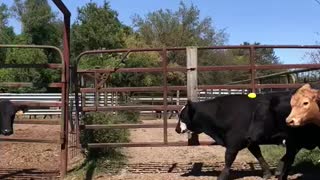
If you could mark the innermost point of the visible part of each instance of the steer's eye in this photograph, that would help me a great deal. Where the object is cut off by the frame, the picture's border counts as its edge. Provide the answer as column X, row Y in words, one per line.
column 305, row 103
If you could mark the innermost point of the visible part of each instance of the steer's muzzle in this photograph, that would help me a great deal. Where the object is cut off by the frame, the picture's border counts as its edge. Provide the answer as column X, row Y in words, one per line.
column 293, row 121
column 6, row 132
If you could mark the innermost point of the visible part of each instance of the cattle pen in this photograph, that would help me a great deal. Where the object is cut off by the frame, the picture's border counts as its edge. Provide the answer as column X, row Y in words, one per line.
column 84, row 91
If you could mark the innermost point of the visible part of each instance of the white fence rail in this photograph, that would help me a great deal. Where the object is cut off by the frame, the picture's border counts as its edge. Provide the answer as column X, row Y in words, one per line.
column 110, row 101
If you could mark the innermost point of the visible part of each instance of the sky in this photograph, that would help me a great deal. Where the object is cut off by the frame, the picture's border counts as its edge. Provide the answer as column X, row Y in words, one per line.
column 272, row 22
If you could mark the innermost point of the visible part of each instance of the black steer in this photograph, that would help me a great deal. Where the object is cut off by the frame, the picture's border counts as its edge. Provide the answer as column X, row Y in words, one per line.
column 8, row 111
column 237, row 122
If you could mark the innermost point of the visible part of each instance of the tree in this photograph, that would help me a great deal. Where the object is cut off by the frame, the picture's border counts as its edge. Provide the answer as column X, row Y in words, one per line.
column 165, row 28
column 6, row 32
column 40, row 25
column 38, row 77
column 39, row 22
column 97, row 27
column 184, row 27
column 263, row 56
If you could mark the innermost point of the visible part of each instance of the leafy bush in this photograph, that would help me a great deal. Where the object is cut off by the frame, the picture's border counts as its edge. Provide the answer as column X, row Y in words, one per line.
column 106, row 135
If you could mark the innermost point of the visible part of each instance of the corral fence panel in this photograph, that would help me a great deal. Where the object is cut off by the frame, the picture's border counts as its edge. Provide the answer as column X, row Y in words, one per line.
column 172, row 97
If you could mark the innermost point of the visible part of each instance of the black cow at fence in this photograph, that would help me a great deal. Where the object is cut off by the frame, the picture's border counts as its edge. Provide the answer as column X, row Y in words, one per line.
column 8, row 112
column 237, row 122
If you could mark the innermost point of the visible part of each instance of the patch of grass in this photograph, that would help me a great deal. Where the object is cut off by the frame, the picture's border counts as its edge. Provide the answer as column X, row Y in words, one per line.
column 103, row 160
column 272, row 153
column 312, row 157
column 110, row 163
column 304, row 159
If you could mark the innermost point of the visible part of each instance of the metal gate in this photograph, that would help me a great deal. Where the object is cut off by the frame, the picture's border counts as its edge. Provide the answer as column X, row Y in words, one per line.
column 63, row 85
column 101, row 76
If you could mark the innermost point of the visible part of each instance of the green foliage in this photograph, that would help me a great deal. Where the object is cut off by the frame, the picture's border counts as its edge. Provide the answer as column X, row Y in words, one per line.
column 184, row 27
column 106, row 135
column 272, row 153
column 305, row 159
column 106, row 158
column 38, row 21
column 97, row 27
column 312, row 156
column 166, row 28
column 6, row 32
column 38, row 77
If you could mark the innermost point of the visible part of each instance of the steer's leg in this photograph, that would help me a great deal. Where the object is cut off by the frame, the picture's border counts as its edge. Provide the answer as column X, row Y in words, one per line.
column 255, row 150
column 286, row 162
column 230, row 156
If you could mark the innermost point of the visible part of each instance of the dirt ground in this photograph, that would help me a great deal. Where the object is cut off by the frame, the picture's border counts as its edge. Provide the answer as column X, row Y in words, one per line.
column 32, row 160
column 175, row 163
column 153, row 163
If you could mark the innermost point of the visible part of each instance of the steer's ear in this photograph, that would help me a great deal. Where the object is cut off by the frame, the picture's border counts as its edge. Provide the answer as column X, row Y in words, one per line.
column 189, row 102
column 22, row 108
column 306, row 86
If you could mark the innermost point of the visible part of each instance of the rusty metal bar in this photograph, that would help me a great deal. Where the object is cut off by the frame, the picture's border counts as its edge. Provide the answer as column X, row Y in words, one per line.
column 96, row 94
column 38, row 121
column 287, row 66
column 165, row 95
column 145, row 144
column 26, row 84
column 126, row 50
column 169, row 69
column 49, row 66
column 23, row 140
column 38, row 104
column 262, row 46
column 252, row 70
column 137, row 108
column 63, row 8
column 160, row 88
column 274, row 75
column 126, row 126
column 278, row 86
column 65, row 88
column 32, row 47
column 200, row 48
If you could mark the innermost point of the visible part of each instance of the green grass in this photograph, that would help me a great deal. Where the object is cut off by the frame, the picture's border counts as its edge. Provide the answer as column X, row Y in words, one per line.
column 272, row 153
column 109, row 163
column 305, row 159
column 103, row 160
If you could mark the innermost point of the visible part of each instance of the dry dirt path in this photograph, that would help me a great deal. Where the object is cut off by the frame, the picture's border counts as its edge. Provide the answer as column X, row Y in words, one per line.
column 171, row 163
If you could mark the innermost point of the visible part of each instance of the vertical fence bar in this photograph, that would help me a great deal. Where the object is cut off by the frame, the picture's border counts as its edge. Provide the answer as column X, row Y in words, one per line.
column 65, row 96
column 165, row 95
column 192, row 84
column 96, row 94
column 253, row 68
column 65, row 87
column 77, row 99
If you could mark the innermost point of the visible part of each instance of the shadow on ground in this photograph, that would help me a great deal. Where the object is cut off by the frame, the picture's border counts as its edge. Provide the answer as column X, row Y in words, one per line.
column 27, row 173
column 197, row 171
column 306, row 171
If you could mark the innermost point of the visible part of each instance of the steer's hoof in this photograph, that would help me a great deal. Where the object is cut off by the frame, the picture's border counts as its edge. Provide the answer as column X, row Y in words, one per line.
column 279, row 169
column 267, row 175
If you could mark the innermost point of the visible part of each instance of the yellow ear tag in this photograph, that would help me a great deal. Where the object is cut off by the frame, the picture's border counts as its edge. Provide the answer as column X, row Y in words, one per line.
column 252, row 95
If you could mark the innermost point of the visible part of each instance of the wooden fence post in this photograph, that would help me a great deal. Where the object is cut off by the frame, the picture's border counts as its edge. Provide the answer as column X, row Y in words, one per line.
column 192, row 84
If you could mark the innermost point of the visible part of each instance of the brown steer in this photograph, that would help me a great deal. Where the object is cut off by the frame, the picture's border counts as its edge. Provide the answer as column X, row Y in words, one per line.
column 305, row 108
